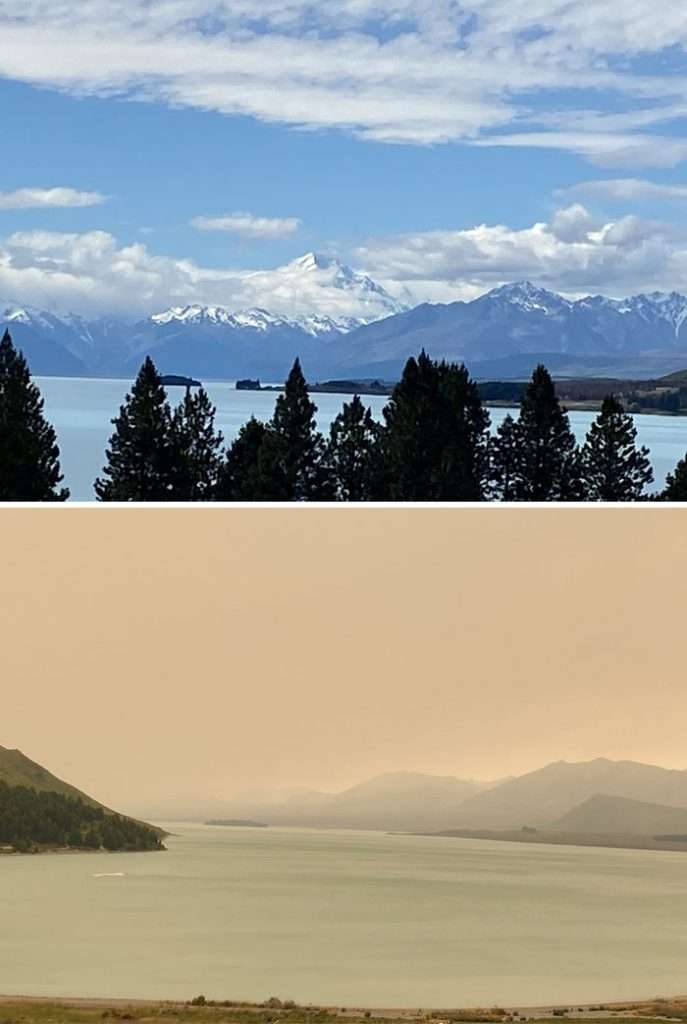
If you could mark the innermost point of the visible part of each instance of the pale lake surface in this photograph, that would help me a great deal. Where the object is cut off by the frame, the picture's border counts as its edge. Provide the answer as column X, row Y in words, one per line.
column 81, row 411
column 346, row 918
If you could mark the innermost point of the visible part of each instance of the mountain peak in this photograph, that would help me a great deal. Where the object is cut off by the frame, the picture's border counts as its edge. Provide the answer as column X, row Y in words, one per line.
column 529, row 297
column 316, row 261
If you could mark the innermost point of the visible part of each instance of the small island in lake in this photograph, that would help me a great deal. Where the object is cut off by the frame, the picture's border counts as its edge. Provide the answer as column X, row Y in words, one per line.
column 176, row 380
column 332, row 387
column 237, row 823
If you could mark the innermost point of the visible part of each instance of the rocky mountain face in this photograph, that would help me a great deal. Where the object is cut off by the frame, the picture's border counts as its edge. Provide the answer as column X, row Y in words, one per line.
column 508, row 330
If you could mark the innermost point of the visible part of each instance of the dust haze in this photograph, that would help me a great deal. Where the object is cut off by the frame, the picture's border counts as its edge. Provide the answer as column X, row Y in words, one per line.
column 163, row 659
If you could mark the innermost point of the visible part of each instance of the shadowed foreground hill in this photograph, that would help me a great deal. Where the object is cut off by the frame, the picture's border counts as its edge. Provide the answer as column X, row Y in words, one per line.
column 547, row 794
column 40, row 811
column 32, row 821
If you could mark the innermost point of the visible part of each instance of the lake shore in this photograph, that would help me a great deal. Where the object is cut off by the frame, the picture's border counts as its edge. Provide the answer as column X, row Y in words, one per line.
column 607, row 840
column 84, row 1010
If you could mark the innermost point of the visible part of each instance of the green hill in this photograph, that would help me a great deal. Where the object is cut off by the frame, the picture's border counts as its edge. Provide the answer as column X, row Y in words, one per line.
column 675, row 380
column 39, row 809
column 16, row 769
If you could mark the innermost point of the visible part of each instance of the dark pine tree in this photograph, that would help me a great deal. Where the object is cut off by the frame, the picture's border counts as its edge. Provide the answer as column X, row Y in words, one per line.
column 504, row 461
column 140, row 456
column 676, row 483
column 464, row 427
column 354, row 453
column 29, row 455
column 241, row 476
column 196, row 448
column 613, row 468
column 435, row 442
column 547, row 458
column 292, row 459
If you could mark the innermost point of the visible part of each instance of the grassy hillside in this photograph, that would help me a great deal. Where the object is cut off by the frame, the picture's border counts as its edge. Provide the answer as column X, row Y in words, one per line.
column 603, row 813
column 18, row 770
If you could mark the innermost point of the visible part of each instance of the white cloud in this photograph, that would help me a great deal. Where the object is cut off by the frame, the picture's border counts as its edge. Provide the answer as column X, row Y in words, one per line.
column 90, row 273
column 604, row 149
column 43, row 198
column 414, row 71
column 573, row 253
column 248, row 226
column 626, row 190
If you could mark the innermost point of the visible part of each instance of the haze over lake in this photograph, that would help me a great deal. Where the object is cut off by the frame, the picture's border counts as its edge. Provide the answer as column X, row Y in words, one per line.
column 81, row 410
column 345, row 918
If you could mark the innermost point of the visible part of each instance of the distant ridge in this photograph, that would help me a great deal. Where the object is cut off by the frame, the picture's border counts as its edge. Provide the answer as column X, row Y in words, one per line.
column 393, row 801
column 545, row 795
column 618, row 814
column 598, row 795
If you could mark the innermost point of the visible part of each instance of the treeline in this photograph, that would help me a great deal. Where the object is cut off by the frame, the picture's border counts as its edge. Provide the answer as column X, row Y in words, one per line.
column 30, row 820
column 434, row 444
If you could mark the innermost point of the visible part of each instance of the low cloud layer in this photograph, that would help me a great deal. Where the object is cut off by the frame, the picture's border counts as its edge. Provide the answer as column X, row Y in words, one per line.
column 627, row 190
column 603, row 80
column 574, row 252
column 90, row 273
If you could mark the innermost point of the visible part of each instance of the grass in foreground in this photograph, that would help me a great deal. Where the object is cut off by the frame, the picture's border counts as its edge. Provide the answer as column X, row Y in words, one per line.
column 274, row 1011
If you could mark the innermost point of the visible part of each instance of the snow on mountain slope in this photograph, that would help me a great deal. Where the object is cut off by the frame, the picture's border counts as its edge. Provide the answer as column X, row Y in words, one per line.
column 339, row 321
column 317, row 285
column 528, row 298
column 254, row 319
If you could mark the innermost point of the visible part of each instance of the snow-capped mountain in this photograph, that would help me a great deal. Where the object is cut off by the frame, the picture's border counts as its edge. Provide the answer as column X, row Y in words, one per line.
column 501, row 333
column 331, row 289
column 526, row 296
column 312, row 286
column 255, row 319
column 507, row 330
column 313, row 300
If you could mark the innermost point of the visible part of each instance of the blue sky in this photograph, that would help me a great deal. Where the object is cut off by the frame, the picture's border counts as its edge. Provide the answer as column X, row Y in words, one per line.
column 157, row 151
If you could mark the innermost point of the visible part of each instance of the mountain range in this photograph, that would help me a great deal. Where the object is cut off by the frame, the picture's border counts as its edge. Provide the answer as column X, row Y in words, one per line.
column 501, row 334
column 589, row 796
column 621, row 798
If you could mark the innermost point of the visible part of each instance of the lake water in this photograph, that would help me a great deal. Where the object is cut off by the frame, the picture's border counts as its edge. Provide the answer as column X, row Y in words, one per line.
column 346, row 918
column 81, row 411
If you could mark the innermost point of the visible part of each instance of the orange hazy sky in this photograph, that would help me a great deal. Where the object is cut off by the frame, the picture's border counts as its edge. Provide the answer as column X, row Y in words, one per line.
column 153, row 655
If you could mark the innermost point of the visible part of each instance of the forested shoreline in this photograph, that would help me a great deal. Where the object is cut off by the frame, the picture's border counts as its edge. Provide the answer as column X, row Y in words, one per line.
column 433, row 444
column 32, row 820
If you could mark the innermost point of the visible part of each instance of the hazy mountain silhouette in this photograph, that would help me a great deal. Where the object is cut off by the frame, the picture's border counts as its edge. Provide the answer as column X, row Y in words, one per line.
column 545, row 795
column 601, row 814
